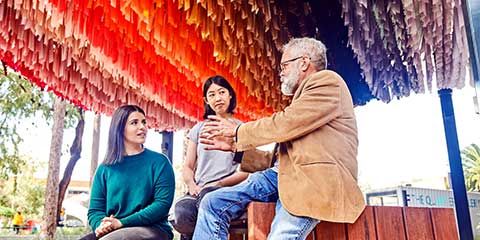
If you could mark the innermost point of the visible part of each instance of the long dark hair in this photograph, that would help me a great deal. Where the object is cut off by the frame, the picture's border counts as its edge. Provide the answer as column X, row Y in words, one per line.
column 116, row 147
column 220, row 81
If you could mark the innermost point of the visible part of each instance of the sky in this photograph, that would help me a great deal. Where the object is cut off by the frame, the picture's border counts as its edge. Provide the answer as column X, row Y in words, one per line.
column 404, row 141
column 400, row 142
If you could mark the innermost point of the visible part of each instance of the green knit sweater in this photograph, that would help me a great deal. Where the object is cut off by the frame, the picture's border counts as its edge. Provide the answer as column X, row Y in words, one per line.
column 138, row 191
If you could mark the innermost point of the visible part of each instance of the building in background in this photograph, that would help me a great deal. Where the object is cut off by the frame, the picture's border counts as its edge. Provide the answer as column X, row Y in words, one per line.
column 424, row 197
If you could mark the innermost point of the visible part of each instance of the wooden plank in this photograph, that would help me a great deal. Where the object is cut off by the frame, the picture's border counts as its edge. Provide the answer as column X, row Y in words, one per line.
column 311, row 236
column 260, row 217
column 382, row 223
column 418, row 224
column 330, row 231
column 364, row 227
column 444, row 224
column 235, row 236
column 389, row 223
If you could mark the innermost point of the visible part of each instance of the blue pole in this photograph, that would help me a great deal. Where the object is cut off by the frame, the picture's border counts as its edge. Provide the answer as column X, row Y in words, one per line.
column 464, row 223
column 167, row 144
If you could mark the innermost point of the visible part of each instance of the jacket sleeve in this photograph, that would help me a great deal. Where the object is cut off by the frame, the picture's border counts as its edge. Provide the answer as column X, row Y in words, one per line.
column 316, row 105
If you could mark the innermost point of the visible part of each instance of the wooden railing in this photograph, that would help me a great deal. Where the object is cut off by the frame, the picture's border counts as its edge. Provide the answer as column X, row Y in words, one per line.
column 375, row 223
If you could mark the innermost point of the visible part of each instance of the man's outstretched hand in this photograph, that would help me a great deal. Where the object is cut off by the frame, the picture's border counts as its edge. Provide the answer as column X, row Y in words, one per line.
column 218, row 143
column 218, row 134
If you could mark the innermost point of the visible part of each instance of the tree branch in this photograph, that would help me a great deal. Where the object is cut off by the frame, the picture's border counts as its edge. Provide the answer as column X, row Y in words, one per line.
column 75, row 154
column 4, row 68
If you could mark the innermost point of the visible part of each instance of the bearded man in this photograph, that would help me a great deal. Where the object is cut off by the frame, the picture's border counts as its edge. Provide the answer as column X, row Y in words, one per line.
column 314, row 175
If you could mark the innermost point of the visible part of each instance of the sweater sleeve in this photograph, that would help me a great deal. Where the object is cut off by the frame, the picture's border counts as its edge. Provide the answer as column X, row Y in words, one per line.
column 97, row 207
column 163, row 198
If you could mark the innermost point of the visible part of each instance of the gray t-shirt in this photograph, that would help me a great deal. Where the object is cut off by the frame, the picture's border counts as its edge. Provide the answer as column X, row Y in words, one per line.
column 212, row 165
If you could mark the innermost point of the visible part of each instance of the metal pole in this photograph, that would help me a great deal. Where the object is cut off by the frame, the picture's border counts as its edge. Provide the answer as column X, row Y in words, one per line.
column 167, row 144
column 458, row 183
column 405, row 198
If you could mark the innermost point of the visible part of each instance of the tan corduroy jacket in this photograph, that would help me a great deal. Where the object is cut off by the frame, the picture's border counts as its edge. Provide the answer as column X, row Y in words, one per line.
column 317, row 133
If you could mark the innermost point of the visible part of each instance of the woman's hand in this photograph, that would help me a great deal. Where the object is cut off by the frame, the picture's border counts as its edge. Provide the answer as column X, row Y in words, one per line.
column 108, row 224
column 194, row 189
column 103, row 229
column 114, row 223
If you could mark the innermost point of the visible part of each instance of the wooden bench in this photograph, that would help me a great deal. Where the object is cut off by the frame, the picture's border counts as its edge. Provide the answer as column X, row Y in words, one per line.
column 375, row 223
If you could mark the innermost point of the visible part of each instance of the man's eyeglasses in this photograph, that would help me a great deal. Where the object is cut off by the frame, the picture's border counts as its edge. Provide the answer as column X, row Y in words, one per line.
column 284, row 64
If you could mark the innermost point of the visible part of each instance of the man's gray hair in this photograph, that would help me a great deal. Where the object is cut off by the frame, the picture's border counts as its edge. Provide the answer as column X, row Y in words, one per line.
column 310, row 47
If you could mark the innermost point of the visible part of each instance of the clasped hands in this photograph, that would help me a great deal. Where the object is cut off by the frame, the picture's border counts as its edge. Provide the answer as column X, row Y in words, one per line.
column 108, row 224
column 218, row 134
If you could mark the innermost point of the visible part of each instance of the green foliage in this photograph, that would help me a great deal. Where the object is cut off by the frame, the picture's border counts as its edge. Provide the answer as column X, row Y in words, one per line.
column 471, row 167
column 11, row 165
column 6, row 212
column 20, row 100
column 23, row 192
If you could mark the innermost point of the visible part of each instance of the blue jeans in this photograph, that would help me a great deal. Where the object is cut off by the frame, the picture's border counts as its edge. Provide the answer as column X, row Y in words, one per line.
column 218, row 208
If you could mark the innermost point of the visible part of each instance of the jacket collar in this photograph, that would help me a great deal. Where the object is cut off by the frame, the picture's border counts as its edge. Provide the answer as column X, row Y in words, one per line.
column 304, row 82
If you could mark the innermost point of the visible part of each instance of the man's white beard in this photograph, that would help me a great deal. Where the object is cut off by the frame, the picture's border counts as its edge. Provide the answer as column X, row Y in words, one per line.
column 286, row 90
column 289, row 83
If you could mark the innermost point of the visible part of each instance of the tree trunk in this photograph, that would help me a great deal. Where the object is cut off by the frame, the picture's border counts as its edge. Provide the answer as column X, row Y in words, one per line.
column 95, row 146
column 51, row 192
column 75, row 152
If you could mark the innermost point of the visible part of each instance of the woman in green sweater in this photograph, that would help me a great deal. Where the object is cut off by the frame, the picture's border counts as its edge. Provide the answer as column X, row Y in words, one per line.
column 133, row 188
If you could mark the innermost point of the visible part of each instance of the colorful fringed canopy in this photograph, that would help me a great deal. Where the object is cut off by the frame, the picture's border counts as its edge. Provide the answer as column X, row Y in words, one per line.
column 101, row 54
column 404, row 45
column 156, row 54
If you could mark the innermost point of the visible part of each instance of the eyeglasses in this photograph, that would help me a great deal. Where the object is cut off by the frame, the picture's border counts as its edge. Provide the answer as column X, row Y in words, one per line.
column 284, row 64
